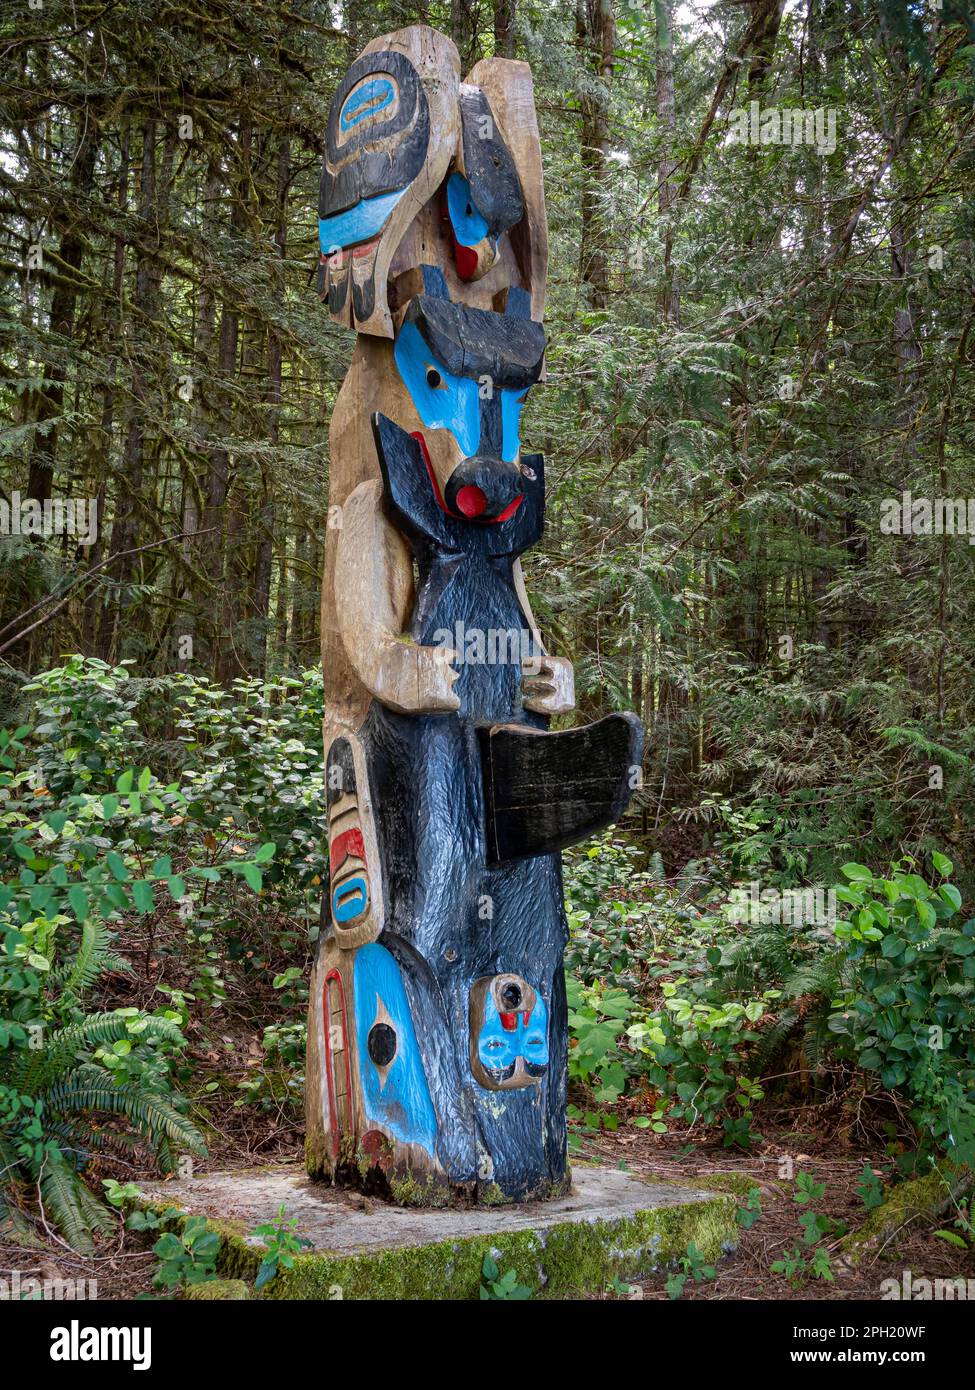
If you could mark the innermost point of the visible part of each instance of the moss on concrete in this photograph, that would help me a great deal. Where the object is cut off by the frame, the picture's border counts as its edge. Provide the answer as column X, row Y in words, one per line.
column 409, row 1191
column 222, row 1290
column 557, row 1262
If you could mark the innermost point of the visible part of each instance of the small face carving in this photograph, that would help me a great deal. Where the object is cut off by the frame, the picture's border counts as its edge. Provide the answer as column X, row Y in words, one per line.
column 508, row 1033
column 475, row 251
column 349, row 896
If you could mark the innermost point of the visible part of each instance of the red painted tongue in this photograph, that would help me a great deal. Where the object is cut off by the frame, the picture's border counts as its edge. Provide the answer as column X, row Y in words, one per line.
column 466, row 260
column 471, row 500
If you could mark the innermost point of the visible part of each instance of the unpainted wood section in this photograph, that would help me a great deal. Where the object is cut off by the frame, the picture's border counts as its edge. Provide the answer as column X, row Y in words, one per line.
column 372, row 604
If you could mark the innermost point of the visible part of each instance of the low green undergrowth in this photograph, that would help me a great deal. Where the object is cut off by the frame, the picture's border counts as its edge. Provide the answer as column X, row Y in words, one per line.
column 705, row 1005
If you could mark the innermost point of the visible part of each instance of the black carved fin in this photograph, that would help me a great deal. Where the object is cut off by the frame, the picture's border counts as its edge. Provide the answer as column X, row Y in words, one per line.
column 490, row 169
column 544, row 791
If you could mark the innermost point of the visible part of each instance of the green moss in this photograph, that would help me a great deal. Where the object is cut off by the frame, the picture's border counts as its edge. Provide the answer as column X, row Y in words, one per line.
column 408, row 1192
column 318, row 1160
column 556, row 1262
column 559, row 1262
column 490, row 1195
column 227, row 1290
column 917, row 1197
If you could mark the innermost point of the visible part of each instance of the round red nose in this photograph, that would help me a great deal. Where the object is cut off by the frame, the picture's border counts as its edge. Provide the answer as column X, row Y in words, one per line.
column 471, row 500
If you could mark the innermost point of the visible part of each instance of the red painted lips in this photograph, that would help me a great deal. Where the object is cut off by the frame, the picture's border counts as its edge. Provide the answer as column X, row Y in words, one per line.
column 471, row 500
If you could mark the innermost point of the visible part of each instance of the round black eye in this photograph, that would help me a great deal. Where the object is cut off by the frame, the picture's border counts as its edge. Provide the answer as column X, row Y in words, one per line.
column 511, row 996
column 433, row 378
column 381, row 1044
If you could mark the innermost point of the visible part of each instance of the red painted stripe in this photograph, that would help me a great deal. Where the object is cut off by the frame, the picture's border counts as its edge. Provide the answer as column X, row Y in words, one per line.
column 465, row 258
column 349, row 843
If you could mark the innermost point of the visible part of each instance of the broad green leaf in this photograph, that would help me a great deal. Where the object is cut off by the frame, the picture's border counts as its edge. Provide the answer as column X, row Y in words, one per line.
column 252, row 875
column 78, row 901
column 142, row 894
column 117, row 866
column 950, row 894
column 856, row 871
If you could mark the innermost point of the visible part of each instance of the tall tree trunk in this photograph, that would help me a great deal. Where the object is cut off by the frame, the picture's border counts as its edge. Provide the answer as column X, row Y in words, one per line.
column 70, row 251
column 221, row 512
column 504, row 28
column 463, row 31
column 273, row 398
column 130, row 476
column 94, row 612
column 666, row 167
column 596, row 39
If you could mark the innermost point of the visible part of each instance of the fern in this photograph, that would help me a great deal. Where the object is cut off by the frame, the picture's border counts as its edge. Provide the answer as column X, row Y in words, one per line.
column 38, row 1069
column 149, row 1113
column 93, row 957
column 75, row 1093
column 61, row 1196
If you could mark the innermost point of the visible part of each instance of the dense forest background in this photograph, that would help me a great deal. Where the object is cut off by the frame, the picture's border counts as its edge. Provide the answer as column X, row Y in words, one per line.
column 760, row 363
column 751, row 347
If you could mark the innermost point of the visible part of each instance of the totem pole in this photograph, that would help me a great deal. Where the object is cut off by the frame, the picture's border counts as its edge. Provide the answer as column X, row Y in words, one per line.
column 437, row 1033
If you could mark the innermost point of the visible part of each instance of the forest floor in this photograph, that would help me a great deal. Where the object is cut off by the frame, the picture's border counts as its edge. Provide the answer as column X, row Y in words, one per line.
column 830, row 1142
column 747, row 1273
column 124, row 1264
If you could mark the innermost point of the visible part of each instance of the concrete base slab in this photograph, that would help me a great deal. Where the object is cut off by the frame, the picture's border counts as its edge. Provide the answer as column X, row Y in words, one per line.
column 612, row 1225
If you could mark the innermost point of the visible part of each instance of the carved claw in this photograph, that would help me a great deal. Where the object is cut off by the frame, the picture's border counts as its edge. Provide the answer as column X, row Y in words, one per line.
column 548, row 685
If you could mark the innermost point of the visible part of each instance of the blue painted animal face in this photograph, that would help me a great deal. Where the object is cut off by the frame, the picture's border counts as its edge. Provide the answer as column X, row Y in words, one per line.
column 475, row 246
column 460, row 404
column 467, row 372
column 511, row 1044
column 394, row 1085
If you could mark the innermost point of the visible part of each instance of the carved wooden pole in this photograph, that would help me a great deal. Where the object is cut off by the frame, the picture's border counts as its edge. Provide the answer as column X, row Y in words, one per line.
column 437, row 1018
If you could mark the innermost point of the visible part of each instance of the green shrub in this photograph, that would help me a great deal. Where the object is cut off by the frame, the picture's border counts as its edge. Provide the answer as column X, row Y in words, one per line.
column 700, row 1006
column 907, row 1008
column 74, row 870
